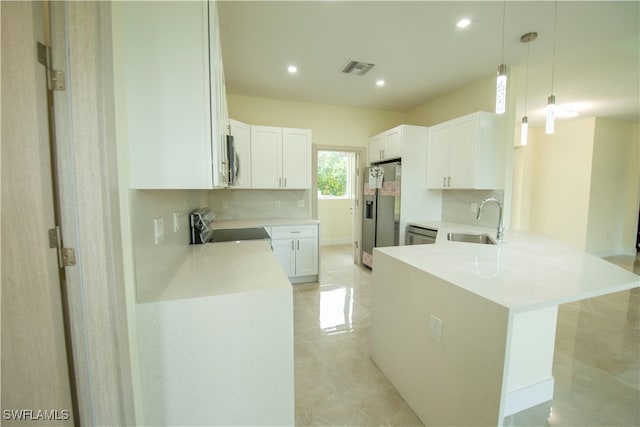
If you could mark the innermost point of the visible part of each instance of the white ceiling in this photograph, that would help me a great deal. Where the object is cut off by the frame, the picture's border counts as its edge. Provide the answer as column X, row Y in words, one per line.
column 421, row 54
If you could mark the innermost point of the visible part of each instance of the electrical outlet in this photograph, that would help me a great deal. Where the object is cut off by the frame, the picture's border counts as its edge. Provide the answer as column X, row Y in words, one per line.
column 436, row 328
column 474, row 208
column 301, row 203
column 158, row 230
column 278, row 204
column 176, row 222
column 224, row 204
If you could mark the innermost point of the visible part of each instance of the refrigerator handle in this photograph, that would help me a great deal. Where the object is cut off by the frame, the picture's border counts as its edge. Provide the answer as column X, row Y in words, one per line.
column 368, row 209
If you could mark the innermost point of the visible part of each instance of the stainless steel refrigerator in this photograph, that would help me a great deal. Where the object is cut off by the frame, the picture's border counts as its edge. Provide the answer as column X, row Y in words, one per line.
column 381, row 213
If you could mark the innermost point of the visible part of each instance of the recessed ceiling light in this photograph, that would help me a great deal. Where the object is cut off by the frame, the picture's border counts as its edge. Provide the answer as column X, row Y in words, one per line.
column 292, row 69
column 380, row 83
column 463, row 23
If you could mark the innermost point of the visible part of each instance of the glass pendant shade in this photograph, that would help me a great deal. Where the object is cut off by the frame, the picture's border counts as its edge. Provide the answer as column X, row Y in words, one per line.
column 524, row 131
column 551, row 115
column 501, row 89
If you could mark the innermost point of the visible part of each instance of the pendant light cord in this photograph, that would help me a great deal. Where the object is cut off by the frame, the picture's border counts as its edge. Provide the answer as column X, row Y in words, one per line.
column 553, row 60
column 526, row 82
column 504, row 9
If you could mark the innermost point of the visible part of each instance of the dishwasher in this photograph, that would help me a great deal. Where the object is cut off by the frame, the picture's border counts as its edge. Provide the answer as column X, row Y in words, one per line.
column 419, row 235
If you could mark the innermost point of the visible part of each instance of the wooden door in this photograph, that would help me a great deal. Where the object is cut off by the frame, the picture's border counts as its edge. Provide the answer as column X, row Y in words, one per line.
column 35, row 373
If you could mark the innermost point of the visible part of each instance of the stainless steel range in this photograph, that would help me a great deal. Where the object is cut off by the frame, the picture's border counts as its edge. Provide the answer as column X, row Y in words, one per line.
column 201, row 221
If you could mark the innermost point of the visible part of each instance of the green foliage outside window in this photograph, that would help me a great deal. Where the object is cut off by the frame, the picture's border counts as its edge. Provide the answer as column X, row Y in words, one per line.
column 332, row 173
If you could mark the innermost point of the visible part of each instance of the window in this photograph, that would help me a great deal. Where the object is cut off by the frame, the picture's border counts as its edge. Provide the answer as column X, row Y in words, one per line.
column 335, row 171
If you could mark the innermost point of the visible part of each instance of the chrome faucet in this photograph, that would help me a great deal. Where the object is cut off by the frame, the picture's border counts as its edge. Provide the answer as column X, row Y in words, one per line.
column 500, row 233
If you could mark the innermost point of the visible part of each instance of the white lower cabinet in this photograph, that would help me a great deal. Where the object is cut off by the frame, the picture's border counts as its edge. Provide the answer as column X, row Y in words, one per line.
column 296, row 248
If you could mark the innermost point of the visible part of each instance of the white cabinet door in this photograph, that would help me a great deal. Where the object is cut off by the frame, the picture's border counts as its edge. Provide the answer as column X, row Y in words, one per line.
column 376, row 144
column 266, row 157
column 307, row 256
column 242, row 141
column 392, row 143
column 280, row 158
column 173, row 101
column 438, row 156
column 462, row 156
column 465, row 153
column 284, row 250
column 296, row 158
column 296, row 247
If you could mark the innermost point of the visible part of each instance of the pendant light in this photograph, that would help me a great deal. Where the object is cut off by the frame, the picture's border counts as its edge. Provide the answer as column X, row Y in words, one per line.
column 501, row 81
column 524, row 130
column 551, row 101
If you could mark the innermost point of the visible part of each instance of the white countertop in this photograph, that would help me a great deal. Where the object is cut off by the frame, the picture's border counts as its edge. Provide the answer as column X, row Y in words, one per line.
column 223, row 268
column 265, row 222
column 527, row 271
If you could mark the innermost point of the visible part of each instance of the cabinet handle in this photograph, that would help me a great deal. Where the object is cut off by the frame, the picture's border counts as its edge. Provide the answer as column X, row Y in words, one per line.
column 298, row 244
column 280, row 182
column 449, row 181
column 285, row 182
column 444, row 181
column 292, row 245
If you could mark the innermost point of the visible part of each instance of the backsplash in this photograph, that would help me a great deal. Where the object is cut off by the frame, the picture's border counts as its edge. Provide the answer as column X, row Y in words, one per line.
column 231, row 204
column 155, row 264
column 456, row 207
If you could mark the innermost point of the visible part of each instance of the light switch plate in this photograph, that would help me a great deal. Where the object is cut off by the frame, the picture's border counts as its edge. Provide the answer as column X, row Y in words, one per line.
column 158, row 230
column 436, row 328
column 176, row 222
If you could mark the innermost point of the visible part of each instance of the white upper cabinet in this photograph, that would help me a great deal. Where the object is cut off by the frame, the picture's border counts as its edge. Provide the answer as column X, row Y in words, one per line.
column 386, row 145
column 280, row 158
column 296, row 158
column 266, row 157
column 241, row 133
column 465, row 153
column 175, row 101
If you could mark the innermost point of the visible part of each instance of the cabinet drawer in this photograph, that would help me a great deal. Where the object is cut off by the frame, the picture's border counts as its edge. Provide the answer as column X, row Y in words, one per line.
column 294, row 231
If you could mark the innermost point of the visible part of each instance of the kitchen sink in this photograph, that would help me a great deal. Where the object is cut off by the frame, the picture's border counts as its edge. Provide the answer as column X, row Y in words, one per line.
column 471, row 238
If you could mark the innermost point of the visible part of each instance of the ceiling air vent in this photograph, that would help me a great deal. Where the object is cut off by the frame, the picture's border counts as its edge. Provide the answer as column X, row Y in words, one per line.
column 358, row 68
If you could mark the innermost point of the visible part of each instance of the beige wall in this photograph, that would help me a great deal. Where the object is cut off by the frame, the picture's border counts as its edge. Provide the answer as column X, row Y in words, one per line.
column 477, row 96
column 336, row 221
column 613, row 205
column 562, row 180
column 581, row 184
column 332, row 125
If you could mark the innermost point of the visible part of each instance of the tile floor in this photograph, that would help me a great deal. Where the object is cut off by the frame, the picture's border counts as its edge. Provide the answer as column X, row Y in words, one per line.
column 596, row 364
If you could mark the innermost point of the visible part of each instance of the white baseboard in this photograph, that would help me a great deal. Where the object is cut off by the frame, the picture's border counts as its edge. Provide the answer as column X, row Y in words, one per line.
column 327, row 242
column 529, row 396
column 631, row 251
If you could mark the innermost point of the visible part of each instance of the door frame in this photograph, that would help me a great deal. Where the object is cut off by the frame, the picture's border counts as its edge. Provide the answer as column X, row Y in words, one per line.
column 86, row 158
column 361, row 156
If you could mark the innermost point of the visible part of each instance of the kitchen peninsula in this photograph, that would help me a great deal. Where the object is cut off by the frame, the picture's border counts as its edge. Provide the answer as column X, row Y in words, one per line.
column 217, row 339
column 466, row 331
